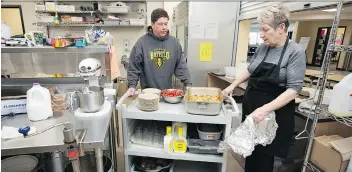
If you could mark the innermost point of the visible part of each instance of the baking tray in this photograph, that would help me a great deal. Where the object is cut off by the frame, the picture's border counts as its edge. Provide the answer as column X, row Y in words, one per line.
column 203, row 107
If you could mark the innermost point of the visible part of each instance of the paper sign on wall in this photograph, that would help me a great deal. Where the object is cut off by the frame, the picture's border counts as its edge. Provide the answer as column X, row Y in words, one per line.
column 211, row 30
column 205, row 51
column 303, row 42
column 197, row 30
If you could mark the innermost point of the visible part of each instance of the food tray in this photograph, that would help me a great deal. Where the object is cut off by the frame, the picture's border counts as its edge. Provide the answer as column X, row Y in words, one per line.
column 117, row 9
column 137, row 22
column 200, row 146
column 203, row 107
column 209, row 131
column 112, row 22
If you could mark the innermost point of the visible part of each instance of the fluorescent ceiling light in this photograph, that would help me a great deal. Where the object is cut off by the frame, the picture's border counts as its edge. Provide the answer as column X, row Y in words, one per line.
column 330, row 10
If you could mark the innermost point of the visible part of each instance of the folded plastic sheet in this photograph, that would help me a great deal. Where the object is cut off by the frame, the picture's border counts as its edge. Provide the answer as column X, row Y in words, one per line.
column 249, row 134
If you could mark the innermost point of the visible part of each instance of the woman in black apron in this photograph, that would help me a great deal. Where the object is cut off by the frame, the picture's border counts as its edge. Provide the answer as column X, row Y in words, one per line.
column 266, row 92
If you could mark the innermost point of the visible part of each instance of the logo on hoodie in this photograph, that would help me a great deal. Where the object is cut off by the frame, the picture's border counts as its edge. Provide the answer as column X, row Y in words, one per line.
column 159, row 55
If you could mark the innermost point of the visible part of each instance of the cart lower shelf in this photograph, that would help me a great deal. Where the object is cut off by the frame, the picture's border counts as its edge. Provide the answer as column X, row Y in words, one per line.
column 140, row 150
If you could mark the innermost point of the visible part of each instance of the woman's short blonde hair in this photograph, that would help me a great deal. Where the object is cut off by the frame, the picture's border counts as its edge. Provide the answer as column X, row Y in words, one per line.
column 275, row 15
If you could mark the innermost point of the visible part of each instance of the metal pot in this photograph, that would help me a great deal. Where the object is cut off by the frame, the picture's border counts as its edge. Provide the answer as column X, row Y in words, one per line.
column 91, row 99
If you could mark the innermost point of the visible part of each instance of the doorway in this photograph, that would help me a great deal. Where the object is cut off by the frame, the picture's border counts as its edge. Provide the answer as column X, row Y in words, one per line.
column 12, row 16
column 321, row 44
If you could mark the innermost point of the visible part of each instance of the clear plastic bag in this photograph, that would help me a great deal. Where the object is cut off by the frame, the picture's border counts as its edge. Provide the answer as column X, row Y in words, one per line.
column 58, row 99
column 249, row 134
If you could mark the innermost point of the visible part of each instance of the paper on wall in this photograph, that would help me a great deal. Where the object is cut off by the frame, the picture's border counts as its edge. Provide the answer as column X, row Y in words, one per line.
column 197, row 30
column 303, row 42
column 205, row 51
column 211, row 30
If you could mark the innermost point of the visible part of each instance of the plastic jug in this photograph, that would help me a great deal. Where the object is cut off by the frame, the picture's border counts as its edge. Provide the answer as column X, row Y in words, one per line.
column 176, row 125
column 38, row 103
column 341, row 97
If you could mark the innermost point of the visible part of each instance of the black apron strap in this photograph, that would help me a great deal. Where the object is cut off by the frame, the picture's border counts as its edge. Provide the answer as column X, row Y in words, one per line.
column 266, row 54
column 283, row 53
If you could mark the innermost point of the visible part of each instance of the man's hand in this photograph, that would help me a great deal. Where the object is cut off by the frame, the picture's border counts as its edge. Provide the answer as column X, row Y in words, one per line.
column 131, row 91
column 260, row 114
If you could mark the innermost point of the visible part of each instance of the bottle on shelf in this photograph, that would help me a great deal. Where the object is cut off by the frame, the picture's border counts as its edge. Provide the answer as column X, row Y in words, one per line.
column 176, row 125
column 180, row 142
column 168, row 140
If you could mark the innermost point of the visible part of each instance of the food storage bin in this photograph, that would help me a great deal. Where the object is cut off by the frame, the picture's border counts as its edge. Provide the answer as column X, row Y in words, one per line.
column 137, row 22
column 209, row 131
column 200, row 146
column 117, row 9
column 203, row 107
column 112, row 22
column 166, row 168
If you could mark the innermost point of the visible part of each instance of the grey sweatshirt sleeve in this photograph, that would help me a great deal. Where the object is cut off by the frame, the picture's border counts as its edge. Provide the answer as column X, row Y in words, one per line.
column 296, row 69
column 135, row 66
column 181, row 70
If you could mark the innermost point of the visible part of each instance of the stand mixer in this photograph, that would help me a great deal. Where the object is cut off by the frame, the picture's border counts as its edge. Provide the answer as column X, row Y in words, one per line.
column 90, row 71
column 91, row 97
column 92, row 104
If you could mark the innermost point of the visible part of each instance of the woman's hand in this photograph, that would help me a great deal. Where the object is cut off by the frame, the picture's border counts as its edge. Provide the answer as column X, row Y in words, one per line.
column 260, row 114
column 227, row 91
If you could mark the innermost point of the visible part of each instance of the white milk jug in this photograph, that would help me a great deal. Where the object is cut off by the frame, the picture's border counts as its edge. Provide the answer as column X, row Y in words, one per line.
column 38, row 103
column 341, row 97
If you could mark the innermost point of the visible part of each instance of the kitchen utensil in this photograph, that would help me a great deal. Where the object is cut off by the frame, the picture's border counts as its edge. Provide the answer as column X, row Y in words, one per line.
column 172, row 99
column 200, row 146
column 209, row 131
column 91, row 99
column 203, row 107
column 19, row 163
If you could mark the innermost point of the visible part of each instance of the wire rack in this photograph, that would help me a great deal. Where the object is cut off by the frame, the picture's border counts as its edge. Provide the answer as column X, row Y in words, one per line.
column 321, row 85
column 67, row 12
column 85, row 24
column 347, row 48
column 78, row 12
column 312, row 167
column 323, row 110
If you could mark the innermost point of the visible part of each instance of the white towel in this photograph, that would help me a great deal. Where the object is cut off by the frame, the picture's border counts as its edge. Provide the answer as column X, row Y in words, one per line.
column 12, row 132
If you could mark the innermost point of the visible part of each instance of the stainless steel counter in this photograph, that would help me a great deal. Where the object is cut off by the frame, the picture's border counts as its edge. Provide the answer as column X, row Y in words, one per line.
column 52, row 140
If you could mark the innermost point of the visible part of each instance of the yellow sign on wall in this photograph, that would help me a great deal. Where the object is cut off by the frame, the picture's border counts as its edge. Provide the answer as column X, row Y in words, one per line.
column 205, row 51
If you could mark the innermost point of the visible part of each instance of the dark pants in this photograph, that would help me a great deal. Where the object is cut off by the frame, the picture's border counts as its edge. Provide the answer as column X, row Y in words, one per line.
column 259, row 162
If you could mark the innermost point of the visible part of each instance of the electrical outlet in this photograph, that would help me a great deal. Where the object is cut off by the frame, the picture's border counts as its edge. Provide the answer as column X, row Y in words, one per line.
column 141, row 11
column 126, row 45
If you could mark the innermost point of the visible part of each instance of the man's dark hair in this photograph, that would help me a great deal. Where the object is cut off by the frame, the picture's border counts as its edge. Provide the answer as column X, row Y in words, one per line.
column 158, row 13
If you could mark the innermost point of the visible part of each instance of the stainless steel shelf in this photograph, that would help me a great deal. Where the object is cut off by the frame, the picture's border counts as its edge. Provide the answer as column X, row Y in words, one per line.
column 49, row 49
column 80, row 24
column 76, row 12
column 312, row 167
column 344, row 120
column 347, row 48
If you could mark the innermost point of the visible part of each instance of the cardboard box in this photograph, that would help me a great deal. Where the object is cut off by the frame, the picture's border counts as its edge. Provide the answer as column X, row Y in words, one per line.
column 50, row 6
column 326, row 157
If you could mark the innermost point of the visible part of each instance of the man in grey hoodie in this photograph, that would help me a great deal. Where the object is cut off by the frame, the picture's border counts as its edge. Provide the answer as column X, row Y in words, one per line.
column 156, row 57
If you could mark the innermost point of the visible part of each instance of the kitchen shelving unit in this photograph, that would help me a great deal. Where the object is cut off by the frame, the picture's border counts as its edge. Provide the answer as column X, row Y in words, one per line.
column 173, row 112
column 321, row 85
column 76, row 12
column 82, row 24
column 137, row 10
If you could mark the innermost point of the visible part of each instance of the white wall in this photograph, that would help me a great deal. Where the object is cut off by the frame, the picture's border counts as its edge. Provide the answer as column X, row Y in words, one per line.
column 169, row 7
column 120, row 33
